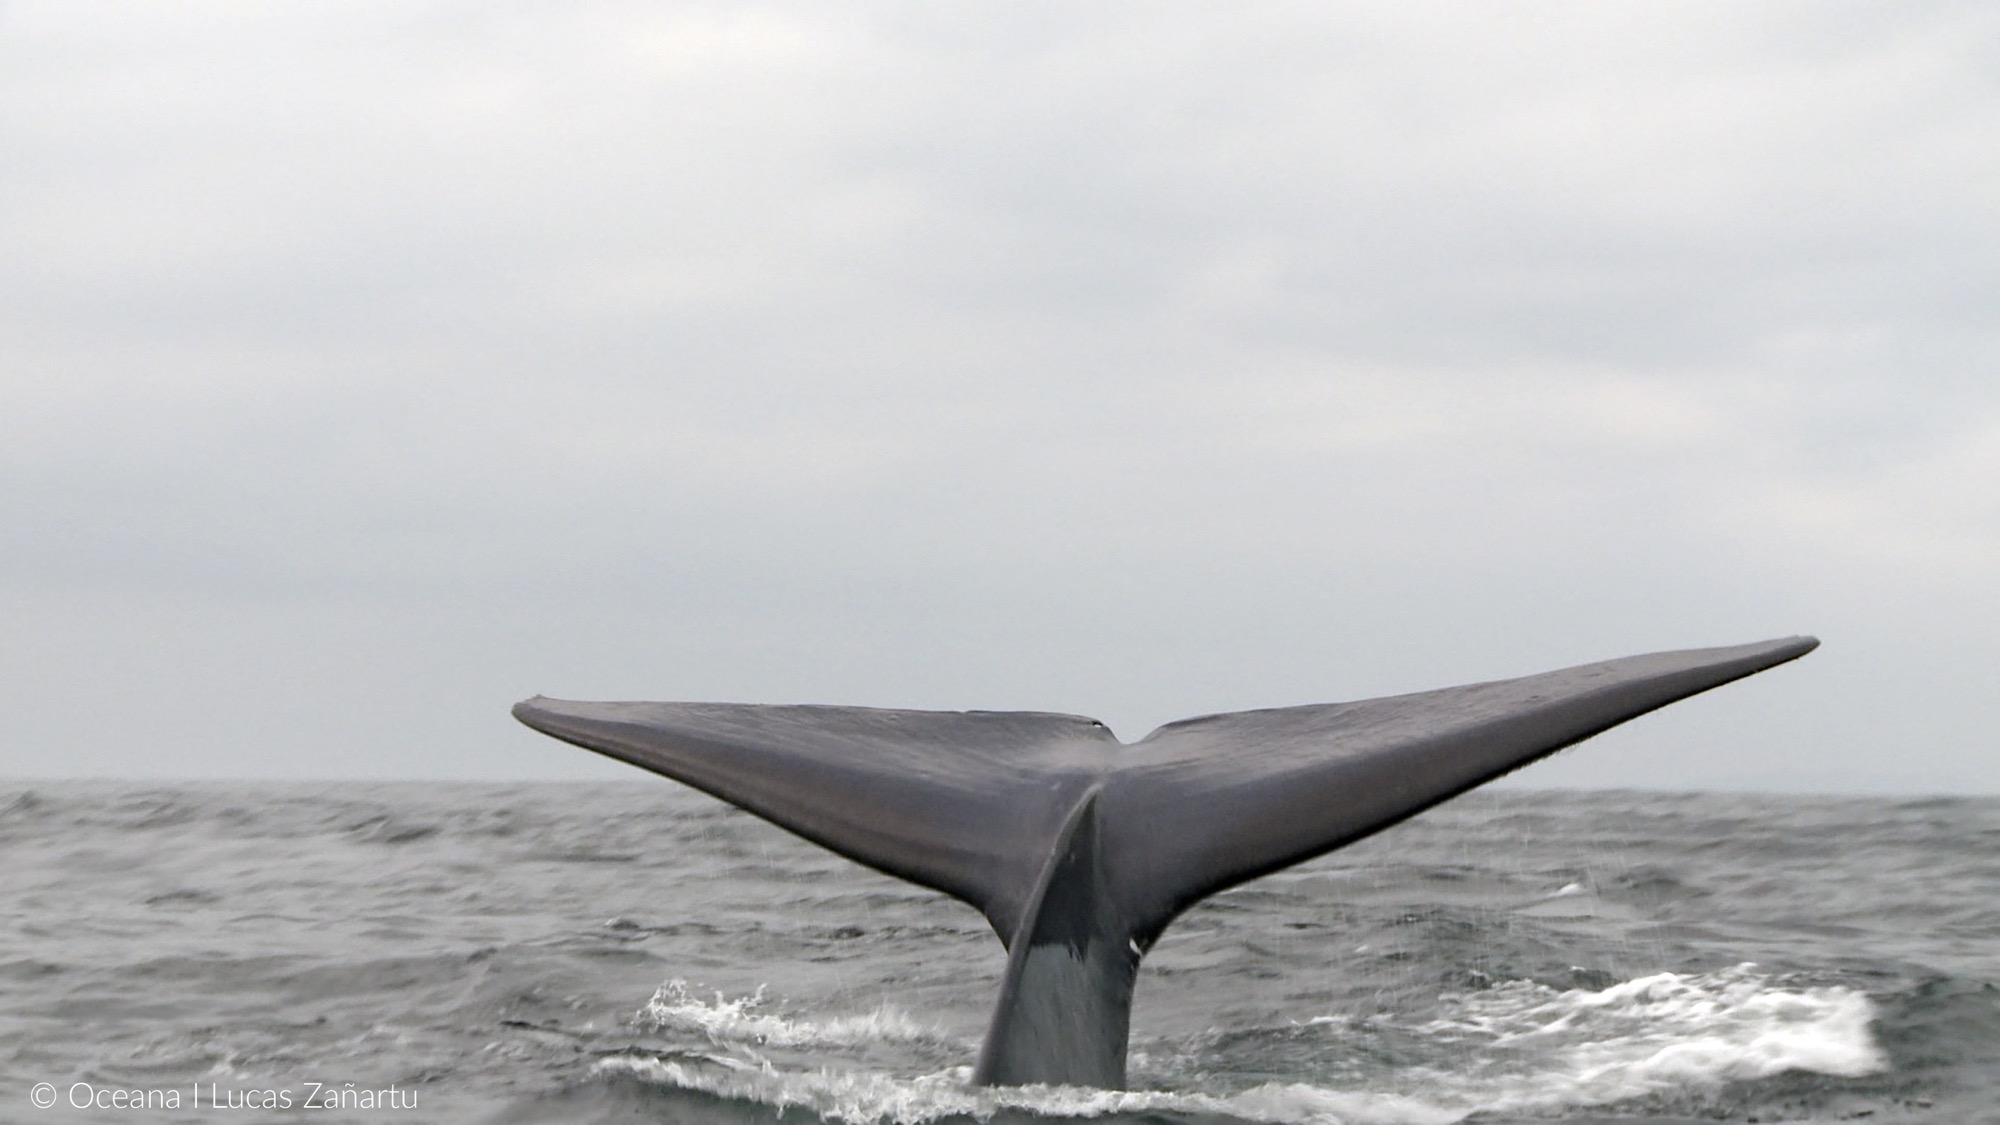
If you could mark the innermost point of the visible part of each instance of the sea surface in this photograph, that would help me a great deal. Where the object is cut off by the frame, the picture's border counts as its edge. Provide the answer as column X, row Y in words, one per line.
column 638, row 952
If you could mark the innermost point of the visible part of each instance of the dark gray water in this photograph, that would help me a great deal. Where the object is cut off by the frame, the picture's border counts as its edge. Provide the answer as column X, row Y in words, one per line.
column 638, row 952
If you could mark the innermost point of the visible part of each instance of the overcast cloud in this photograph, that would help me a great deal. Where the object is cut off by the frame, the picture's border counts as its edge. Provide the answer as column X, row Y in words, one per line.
column 366, row 367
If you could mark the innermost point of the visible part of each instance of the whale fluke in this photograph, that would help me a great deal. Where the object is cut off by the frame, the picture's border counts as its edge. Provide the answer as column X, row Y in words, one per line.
column 1080, row 849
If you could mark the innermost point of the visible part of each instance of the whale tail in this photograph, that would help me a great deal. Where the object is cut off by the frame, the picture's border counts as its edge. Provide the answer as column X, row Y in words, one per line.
column 1080, row 849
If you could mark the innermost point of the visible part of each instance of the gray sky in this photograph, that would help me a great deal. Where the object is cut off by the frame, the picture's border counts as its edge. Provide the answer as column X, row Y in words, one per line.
column 365, row 367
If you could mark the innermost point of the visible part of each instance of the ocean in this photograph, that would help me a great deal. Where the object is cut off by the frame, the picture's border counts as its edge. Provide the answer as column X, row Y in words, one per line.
column 528, row 953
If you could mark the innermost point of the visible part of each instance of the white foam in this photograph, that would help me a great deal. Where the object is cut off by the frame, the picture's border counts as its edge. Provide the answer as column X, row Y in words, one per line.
column 873, row 1097
column 1517, row 1047
column 1527, row 1047
column 722, row 1020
